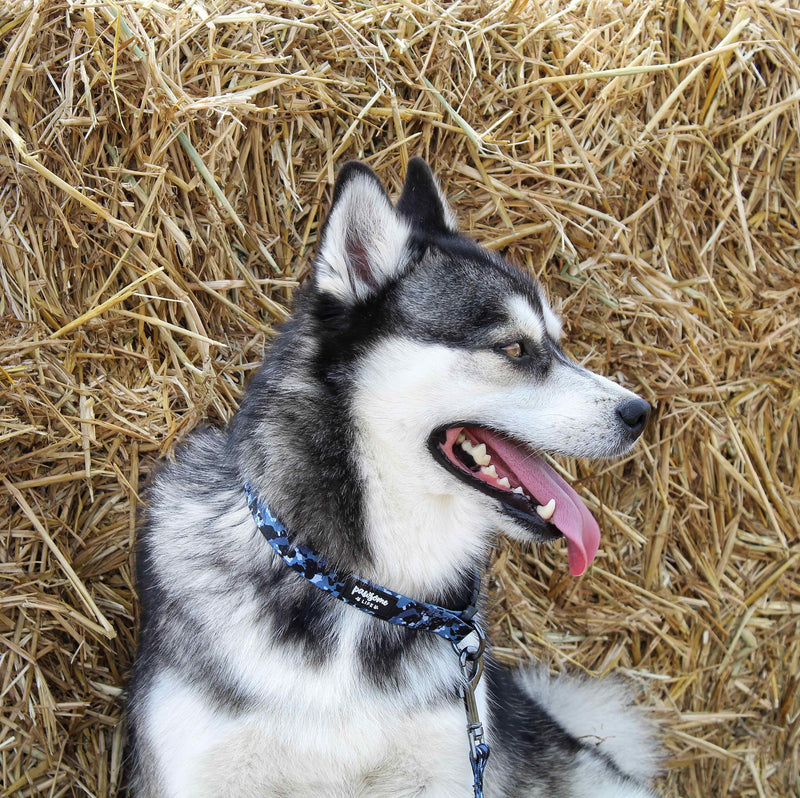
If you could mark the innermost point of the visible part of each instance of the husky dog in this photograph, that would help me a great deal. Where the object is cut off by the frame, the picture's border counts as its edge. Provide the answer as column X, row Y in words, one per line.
column 397, row 424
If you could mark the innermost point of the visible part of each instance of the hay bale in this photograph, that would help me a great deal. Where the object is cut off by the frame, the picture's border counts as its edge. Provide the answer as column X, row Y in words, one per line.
column 164, row 172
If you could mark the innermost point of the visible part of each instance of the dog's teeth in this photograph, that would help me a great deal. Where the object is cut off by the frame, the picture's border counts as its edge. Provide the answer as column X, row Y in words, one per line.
column 504, row 482
column 461, row 437
column 489, row 471
column 546, row 511
column 480, row 456
column 519, row 490
column 466, row 446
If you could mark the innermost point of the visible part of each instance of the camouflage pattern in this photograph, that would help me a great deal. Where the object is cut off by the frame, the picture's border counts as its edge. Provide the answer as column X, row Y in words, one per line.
column 354, row 590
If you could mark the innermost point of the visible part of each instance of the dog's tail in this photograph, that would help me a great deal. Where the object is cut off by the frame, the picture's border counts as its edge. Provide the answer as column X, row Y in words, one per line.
column 600, row 713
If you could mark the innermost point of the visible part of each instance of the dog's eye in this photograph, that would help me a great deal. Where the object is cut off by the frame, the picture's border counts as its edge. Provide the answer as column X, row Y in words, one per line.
column 514, row 350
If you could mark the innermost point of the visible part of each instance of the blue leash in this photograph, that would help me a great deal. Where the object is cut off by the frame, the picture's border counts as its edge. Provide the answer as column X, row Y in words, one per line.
column 478, row 762
column 458, row 627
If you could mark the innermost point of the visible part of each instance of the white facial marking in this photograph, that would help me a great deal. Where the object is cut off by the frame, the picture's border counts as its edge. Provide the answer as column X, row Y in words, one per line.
column 406, row 389
column 530, row 323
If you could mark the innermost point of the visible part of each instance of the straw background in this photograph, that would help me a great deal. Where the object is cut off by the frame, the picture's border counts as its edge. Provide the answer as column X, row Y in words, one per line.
column 164, row 169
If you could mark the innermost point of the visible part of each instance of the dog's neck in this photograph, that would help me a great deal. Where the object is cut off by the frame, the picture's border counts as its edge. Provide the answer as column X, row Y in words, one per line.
column 347, row 482
column 421, row 542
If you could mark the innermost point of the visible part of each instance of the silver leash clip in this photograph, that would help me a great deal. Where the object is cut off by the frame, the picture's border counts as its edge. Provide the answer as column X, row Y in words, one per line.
column 470, row 661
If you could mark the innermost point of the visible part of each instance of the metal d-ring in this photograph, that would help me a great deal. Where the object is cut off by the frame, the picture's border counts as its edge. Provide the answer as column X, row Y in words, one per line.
column 471, row 652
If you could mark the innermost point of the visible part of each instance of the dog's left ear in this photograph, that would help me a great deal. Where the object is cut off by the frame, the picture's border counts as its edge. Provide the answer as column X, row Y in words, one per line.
column 364, row 240
column 423, row 203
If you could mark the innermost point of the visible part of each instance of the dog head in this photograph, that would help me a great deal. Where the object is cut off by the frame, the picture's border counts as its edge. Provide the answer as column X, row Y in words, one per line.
column 460, row 380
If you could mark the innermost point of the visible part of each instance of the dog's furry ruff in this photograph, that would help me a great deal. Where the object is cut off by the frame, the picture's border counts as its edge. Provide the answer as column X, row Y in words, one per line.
column 249, row 681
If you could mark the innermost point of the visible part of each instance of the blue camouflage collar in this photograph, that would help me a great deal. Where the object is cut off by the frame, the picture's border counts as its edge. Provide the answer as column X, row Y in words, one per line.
column 456, row 626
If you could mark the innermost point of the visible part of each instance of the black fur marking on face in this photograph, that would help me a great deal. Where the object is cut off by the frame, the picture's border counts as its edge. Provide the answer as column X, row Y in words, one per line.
column 477, row 283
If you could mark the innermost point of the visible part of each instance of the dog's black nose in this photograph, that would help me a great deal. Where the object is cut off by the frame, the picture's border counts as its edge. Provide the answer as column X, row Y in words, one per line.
column 634, row 414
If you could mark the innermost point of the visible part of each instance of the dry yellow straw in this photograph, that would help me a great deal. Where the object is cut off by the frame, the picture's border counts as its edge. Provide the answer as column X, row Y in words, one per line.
column 164, row 174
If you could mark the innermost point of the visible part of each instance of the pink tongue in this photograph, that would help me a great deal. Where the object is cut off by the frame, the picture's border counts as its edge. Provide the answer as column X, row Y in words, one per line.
column 571, row 516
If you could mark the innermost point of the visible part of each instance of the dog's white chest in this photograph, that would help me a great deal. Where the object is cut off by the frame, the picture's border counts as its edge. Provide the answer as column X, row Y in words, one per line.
column 366, row 751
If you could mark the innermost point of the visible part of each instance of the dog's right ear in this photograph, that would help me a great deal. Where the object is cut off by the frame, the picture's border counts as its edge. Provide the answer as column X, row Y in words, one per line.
column 364, row 239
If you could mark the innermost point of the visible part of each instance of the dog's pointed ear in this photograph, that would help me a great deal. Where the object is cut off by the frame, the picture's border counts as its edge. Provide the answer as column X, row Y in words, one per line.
column 364, row 240
column 423, row 203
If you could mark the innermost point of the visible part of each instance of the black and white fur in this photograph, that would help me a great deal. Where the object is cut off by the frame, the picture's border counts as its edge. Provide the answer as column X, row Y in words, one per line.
column 249, row 681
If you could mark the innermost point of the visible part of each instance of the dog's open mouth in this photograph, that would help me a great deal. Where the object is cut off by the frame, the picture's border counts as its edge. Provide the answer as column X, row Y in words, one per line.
column 529, row 490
